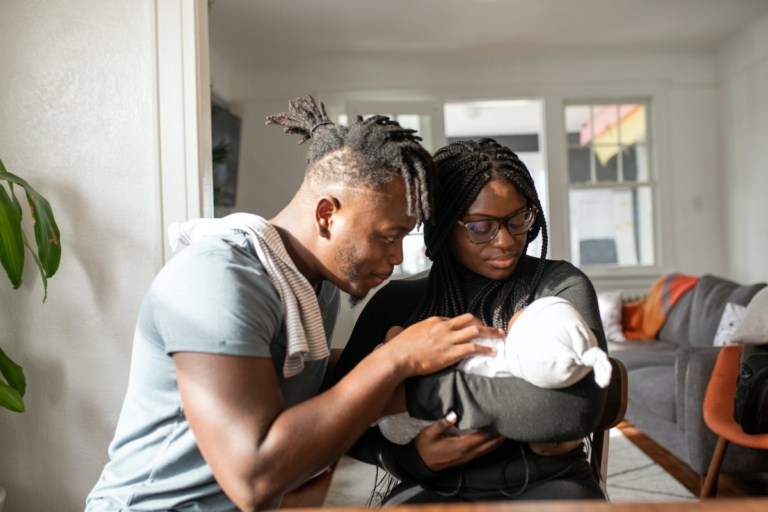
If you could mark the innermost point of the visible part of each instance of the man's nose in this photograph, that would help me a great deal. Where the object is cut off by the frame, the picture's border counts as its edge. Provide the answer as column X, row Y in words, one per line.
column 396, row 255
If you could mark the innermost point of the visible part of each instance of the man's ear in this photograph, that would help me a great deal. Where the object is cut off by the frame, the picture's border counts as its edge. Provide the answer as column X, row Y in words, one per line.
column 327, row 207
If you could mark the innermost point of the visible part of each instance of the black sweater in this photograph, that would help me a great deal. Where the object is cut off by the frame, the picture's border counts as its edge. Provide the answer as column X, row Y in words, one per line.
column 510, row 406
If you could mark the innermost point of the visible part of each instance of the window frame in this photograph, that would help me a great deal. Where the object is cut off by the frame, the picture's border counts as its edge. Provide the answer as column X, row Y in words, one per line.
column 602, row 271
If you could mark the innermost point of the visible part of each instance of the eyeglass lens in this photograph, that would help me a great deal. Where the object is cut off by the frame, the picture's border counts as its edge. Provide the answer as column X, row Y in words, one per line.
column 484, row 230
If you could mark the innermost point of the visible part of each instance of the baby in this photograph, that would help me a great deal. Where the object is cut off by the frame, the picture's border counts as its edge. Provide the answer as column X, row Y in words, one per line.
column 548, row 344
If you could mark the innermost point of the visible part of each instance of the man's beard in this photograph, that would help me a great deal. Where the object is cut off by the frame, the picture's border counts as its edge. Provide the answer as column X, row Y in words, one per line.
column 348, row 262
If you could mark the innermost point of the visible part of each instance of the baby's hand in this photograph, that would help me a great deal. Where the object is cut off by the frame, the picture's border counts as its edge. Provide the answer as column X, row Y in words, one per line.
column 554, row 449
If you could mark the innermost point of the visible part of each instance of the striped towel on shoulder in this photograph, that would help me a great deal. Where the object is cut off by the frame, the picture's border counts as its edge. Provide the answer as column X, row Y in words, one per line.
column 306, row 339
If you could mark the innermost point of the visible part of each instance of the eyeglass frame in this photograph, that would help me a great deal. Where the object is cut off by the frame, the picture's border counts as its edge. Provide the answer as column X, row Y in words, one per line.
column 499, row 220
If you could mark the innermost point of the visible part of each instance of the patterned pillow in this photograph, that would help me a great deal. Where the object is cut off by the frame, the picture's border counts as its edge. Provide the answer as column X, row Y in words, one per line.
column 754, row 327
column 733, row 314
column 610, row 315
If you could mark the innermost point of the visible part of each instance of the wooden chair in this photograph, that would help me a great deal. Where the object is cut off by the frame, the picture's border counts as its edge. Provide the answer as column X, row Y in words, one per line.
column 613, row 414
column 718, row 415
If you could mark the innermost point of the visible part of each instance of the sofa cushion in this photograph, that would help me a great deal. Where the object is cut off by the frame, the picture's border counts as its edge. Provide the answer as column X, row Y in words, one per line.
column 754, row 327
column 653, row 387
column 639, row 354
column 677, row 324
column 709, row 299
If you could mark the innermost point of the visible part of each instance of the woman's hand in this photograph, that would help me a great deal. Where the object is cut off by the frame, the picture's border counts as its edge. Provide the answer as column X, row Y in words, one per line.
column 554, row 449
column 440, row 450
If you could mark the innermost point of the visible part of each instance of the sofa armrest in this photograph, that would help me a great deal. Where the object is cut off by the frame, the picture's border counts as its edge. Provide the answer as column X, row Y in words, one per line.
column 698, row 364
column 682, row 359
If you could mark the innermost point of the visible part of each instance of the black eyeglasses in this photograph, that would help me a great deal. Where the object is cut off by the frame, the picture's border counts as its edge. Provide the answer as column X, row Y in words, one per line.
column 482, row 231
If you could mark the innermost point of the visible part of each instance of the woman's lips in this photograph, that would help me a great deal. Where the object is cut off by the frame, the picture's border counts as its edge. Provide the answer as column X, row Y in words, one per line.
column 501, row 263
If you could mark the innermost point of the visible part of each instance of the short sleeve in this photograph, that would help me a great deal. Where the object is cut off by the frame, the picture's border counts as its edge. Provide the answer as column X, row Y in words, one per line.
column 214, row 297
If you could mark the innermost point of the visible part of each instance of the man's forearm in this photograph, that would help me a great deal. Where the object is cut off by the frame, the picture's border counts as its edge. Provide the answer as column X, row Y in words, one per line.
column 306, row 438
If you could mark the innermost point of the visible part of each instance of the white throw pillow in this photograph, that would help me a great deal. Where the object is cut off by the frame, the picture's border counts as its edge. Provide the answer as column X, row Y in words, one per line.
column 610, row 315
column 733, row 314
column 754, row 326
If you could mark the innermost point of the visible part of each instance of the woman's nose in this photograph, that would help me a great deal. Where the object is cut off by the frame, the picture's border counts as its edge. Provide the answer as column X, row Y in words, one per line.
column 503, row 238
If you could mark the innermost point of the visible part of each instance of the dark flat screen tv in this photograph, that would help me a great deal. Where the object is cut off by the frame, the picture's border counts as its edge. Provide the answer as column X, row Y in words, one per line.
column 225, row 134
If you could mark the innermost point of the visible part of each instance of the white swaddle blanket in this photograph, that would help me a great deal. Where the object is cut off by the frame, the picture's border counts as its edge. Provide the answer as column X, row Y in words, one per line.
column 549, row 345
column 305, row 334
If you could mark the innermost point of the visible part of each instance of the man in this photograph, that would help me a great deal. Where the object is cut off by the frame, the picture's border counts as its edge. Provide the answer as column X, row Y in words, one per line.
column 221, row 411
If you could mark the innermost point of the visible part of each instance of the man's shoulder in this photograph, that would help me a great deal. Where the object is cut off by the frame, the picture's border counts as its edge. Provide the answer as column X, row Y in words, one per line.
column 223, row 269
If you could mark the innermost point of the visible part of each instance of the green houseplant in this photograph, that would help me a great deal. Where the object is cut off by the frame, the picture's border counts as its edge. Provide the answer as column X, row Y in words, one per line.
column 13, row 241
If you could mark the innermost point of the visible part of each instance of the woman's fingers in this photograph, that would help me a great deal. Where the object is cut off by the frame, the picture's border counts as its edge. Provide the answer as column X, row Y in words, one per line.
column 392, row 332
column 441, row 427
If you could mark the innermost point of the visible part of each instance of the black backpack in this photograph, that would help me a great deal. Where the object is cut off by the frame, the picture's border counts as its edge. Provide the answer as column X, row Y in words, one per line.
column 751, row 400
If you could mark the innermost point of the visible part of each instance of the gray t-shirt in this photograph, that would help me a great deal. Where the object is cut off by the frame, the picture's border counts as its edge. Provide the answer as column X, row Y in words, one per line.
column 213, row 297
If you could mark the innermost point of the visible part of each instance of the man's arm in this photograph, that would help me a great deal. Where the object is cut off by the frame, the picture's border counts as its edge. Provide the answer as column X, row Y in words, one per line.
column 258, row 451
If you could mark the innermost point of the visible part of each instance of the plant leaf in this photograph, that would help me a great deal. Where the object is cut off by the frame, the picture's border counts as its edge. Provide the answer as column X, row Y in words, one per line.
column 11, row 244
column 10, row 398
column 47, row 233
column 39, row 265
column 13, row 373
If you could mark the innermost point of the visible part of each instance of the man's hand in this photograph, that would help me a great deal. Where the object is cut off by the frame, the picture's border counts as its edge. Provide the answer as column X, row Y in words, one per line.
column 440, row 450
column 435, row 343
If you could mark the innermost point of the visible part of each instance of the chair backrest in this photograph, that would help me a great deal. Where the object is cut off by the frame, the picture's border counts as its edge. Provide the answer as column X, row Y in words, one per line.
column 613, row 414
column 616, row 402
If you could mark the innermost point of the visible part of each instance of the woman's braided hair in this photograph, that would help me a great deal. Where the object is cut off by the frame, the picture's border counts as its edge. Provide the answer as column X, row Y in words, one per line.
column 463, row 169
column 378, row 150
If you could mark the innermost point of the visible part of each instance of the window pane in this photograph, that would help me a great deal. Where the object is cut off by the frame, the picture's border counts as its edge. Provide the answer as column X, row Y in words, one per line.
column 578, row 165
column 612, row 227
column 414, row 257
column 577, row 127
column 605, row 124
column 633, row 124
column 607, row 163
column 635, row 162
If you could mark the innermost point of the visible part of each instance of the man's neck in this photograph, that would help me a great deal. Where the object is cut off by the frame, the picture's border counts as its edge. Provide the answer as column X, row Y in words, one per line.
column 298, row 237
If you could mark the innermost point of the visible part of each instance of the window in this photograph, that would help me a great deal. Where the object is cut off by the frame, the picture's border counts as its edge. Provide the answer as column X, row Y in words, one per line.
column 610, row 185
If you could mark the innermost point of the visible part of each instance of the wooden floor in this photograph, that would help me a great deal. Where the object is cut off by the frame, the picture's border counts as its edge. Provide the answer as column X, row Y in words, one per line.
column 728, row 485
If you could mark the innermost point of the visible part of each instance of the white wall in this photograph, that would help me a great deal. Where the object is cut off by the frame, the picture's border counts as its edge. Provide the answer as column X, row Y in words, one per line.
column 78, row 120
column 683, row 88
column 744, row 72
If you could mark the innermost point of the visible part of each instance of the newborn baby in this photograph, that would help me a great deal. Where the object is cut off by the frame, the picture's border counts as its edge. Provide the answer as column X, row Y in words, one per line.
column 548, row 344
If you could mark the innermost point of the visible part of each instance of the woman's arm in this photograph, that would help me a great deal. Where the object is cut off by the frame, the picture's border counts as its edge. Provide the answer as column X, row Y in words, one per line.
column 433, row 449
column 512, row 406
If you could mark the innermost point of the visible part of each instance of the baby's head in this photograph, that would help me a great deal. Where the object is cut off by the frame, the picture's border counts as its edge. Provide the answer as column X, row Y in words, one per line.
column 552, row 345
column 551, row 317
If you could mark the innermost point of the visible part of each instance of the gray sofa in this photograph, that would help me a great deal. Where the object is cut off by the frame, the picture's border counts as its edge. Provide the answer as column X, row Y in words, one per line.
column 668, row 377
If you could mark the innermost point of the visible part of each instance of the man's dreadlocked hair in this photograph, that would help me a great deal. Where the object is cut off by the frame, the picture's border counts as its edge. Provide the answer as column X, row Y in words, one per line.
column 463, row 169
column 368, row 153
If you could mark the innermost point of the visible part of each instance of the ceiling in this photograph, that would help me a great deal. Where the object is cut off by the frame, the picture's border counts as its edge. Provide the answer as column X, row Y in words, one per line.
column 256, row 33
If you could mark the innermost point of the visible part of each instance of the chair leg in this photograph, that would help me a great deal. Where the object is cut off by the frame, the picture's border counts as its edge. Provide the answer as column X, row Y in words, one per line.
column 596, row 460
column 710, row 483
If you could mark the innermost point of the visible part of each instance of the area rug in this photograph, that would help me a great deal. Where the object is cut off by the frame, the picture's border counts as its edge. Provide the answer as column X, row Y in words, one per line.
column 632, row 477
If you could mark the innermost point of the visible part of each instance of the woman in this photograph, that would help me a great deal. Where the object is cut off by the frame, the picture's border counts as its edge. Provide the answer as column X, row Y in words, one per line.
column 487, row 211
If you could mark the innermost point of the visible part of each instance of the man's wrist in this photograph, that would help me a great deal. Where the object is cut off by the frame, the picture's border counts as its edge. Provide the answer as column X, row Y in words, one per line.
column 399, row 364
